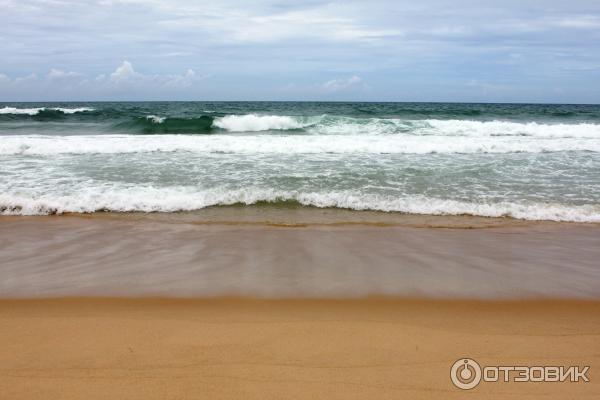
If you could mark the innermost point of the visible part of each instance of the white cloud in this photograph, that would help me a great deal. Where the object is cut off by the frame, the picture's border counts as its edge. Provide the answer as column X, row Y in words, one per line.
column 185, row 80
column 339, row 88
column 124, row 79
column 123, row 72
column 336, row 85
column 260, row 24
column 126, row 76
column 57, row 74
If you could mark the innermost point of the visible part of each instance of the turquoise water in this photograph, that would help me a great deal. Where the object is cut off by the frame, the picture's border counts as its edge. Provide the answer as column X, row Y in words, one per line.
column 538, row 162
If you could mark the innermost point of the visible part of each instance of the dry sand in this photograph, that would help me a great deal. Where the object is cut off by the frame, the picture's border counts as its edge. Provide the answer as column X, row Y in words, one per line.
column 287, row 349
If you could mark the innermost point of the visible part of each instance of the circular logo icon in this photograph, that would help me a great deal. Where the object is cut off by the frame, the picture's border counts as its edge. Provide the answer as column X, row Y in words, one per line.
column 465, row 373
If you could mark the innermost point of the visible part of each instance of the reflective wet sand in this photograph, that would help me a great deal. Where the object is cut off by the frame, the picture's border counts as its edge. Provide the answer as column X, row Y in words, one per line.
column 302, row 252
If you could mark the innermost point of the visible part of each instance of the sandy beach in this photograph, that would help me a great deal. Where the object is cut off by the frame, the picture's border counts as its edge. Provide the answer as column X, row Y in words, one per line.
column 298, row 252
column 300, row 303
column 298, row 349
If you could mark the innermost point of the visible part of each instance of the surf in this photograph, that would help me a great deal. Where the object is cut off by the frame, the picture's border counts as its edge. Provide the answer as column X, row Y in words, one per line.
column 149, row 199
column 164, row 138
column 520, row 161
column 38, row 110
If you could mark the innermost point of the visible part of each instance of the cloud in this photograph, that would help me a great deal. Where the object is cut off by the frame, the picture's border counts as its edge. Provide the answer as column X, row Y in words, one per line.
column 579, row 22
column 57, row 74
column 427, row 49
column 336, row 85
column 125, row 76
column 185, row 80
column 123, row 79
column 334, row 89
column 267, row 25
column 22, row 80
column 124, row 72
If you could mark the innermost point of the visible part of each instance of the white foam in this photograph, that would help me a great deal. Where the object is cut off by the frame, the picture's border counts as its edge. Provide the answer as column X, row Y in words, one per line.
column 150, row 199
column 35, row 111
column 337, row 125
column 288, row 144
column 256, row 123
column 328, row 125
column 504, row 128
column 72, row 110
column 432, row 127
column 20, row 111
column 340, row 125
column 156, row 119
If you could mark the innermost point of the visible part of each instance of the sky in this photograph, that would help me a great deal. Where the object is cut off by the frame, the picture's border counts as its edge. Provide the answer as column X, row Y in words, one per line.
column 427, row 50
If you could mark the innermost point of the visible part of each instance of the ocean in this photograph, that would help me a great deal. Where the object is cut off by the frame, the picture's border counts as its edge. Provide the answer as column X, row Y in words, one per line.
column 527, row 161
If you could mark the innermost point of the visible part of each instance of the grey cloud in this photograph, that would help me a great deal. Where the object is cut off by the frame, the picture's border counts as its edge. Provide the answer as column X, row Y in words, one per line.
column 252, row 49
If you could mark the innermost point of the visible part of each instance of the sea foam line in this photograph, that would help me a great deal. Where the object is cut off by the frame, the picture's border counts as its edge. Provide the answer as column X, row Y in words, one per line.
column 506, row 128
column 432, row 127
column 287, row 144
column 35, row 111
column 151, row 199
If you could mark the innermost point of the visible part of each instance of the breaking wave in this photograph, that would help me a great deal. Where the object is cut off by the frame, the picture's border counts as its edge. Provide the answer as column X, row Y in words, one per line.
column 130, row 121
column 340, row 125
column 41, row 110
column 282, row 144
column 150, row 199
column 210, row 124
column 257, row 123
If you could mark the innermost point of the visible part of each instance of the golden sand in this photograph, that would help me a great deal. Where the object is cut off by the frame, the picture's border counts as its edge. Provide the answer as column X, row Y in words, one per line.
column 287, row 349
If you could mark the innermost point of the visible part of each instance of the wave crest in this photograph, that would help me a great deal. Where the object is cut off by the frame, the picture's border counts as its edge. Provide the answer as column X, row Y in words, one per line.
column 136, row 121
column 38, row 110
column 279, row 144
column 341, row 125
column 505, row 128
column 257, row 123
column 150, row 199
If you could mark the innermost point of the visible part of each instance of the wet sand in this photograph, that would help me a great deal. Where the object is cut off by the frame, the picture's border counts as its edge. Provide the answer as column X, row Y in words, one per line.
column 268, row 252
column 293, row 349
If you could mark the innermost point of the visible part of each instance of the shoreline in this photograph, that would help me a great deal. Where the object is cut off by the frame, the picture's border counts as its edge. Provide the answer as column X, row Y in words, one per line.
column 297, row 215
column 231, row 348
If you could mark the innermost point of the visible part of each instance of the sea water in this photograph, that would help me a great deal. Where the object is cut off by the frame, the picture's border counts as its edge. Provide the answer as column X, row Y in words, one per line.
column 529, row 161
